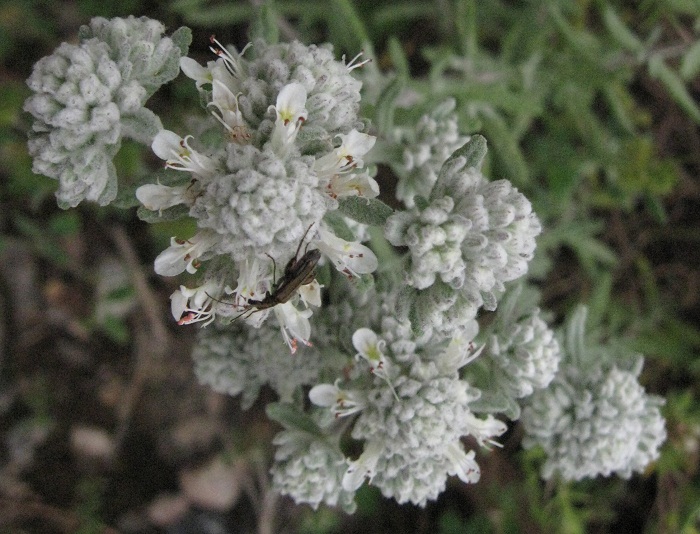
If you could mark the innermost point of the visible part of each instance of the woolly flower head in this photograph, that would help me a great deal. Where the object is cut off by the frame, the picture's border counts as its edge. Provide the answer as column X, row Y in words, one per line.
column 310, row 470
column 88, row 96
column 594, row 418
column 285, row 117
column 426, row 146
column 598, row 424
column 412, row 412
column 465, row 241
column 239, row 361
column 523, row 347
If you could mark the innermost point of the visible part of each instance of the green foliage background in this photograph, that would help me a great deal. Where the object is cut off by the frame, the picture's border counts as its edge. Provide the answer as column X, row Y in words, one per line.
column 589, row 107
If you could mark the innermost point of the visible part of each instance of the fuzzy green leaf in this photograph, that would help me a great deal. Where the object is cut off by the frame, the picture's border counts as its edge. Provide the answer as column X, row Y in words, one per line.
column 182, row 37
column 370, row 211
column 398, row 57
column 339, row 226
column 291, row 418
column 384, row 115
column 474, row 151
column 265, row 23
column 142, row 126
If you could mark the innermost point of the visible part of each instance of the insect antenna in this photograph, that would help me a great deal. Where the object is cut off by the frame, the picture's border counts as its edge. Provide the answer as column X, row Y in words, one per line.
column 302, row 241
column 274, row 268
column 247, row 308
column 221, row 301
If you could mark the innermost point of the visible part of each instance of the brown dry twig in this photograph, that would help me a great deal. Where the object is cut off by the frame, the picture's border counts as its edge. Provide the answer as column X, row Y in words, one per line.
column 151, row 343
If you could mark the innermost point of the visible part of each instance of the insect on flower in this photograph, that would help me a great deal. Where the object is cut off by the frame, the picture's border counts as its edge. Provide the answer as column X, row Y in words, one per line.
column 298, row 272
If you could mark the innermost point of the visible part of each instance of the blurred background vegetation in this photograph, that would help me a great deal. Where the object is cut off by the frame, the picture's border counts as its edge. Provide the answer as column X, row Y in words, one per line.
column 589, row 107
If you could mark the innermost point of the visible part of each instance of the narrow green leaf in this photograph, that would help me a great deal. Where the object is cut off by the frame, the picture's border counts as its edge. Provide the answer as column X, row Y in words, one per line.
column 65, row 223
column 659, row 70
column 465, row 24
column 291, row 418
column 421, row 202
column 384, row 114
column 690, row 63
column 265, row 23
column 345, row 11
column 126, row 198
column 418, row 320
column 398, row 58
column 599, row 301
column 370, row 211
column 496, row 402
column 620, row 32
column 215, row 16
column 621, row 104
column 116, row 329
column 506, row 147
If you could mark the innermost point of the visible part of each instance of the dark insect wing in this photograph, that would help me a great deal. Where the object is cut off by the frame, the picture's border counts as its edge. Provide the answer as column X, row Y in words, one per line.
column 298, row 272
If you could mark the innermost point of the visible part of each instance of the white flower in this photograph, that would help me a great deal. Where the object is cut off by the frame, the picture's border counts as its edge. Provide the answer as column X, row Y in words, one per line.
column 337, row 165
column 363, row 467
column 179, row 156
column 484, row 429
column 295, row 324
column 232, row 119
column 182, row 255
column 347, row 156
column 197, row 304
column 345, row 185
column 290, row 106
column 157, row 197
column 230, row 57
column 352, row 259
column 460, row 350
column 251, row 285
column 291, row 114
column 342, row 402
column 463, row 464
column 370, row 347
column 310, row 294
column 192, row 69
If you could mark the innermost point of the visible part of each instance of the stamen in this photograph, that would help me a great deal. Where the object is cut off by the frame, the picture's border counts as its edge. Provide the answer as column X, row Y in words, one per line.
column 231, row 62
column 352, row 65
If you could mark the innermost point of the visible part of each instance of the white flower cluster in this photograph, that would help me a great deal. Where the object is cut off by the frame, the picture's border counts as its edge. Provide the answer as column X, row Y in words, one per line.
column 425, row 147
column 594, row 418
column 288, row 148
column 527, row 353
column 310, row 470
column 88, row 96
column 238, row 361
column 468, row 239
column 411, row 410
column 600, row 422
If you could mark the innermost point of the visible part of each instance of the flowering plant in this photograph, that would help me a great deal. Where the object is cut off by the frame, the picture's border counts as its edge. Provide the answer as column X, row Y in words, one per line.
column 380, row 307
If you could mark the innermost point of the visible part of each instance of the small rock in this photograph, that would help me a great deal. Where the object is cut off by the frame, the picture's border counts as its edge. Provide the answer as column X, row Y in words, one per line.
column 166, row 510
column 214, row 486
column 92, row 444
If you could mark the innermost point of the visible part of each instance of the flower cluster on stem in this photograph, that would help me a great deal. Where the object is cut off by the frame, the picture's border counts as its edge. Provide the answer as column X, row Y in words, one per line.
column 278, row 179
